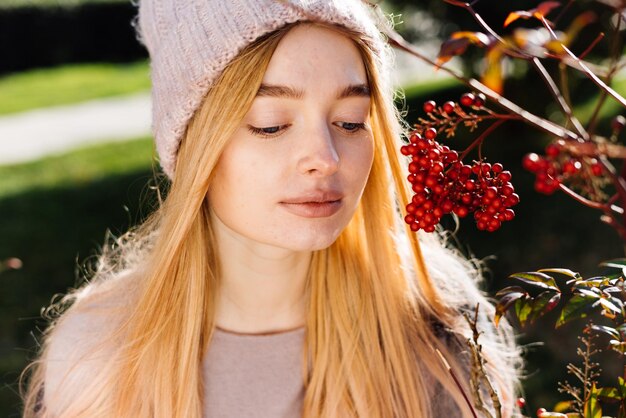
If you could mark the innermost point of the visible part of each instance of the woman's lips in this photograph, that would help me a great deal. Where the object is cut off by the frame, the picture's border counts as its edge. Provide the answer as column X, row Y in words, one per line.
column 314, row 209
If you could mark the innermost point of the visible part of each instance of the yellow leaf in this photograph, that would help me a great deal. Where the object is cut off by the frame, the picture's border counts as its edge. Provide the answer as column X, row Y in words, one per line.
column 492, row 76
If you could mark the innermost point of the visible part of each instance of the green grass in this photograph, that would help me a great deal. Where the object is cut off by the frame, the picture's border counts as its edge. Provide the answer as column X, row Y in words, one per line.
column 78, row 167
column 70, row 84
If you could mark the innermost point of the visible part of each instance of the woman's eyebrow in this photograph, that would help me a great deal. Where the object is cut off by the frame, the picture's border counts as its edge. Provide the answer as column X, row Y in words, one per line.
column 275, row 90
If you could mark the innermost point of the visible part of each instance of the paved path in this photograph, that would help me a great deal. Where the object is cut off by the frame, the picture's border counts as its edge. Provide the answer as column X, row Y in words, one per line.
column 34, row 134
column 37, row 133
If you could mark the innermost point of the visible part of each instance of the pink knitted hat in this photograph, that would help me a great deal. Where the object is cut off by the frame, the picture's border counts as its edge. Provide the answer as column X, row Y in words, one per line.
column 190, row 42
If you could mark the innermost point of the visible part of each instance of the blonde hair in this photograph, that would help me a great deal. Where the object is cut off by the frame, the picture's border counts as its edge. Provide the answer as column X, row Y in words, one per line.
column 372, row 295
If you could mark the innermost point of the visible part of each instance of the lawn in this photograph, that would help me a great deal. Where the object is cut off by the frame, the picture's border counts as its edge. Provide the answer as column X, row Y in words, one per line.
column 69, row 84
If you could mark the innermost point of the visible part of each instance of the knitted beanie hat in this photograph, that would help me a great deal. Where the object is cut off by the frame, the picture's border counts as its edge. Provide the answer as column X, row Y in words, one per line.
column 190, row 42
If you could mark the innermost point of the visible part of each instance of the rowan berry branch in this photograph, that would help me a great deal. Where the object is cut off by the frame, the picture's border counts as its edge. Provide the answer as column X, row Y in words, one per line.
column 396, row 40
column 554, row 90
column 621, row 100
column 558, row 97
column 615, row 54
column 481, row 138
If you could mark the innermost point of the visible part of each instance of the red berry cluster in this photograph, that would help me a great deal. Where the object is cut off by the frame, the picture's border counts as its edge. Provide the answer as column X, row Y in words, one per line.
column 556, row 166
column 443, row 184
column 467, row 100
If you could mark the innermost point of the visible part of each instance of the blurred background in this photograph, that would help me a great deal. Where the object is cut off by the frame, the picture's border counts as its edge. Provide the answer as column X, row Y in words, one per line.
column 76, row 162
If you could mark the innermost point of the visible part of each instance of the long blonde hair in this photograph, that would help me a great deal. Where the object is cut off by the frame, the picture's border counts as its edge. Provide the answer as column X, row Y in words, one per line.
column 148, row 311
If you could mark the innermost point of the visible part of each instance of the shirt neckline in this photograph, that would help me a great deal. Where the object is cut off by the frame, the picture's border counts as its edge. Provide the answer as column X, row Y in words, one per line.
column 222, row 331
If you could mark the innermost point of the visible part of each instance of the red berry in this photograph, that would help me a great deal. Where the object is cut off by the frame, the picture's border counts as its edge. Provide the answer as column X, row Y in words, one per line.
column 596, row 169
column 467, row 99
column 531, row 162
column 572, row 166
column 461, row 211
column 541, row 411
column 448, row 107
column 512, row 200
column 480, row 100
column 430, row 106
column 491, row 192
column 553, row 150
column 505, row 176
column 430, row 133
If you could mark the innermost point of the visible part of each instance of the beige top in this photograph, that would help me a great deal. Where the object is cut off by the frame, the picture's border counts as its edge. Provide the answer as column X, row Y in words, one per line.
column 260, row 376
column 254, row 375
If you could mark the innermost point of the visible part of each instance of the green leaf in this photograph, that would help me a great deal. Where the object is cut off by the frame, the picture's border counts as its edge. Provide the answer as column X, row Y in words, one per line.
column 621, row 386
column 610, row 306
column 563, row 406
column 510, row 289
column 544, row 303
column 619, row 346
column 610, row 331
column 575, row 308
column 566, row 272
column 592, row 408
column 537, row 279
column 507, row 299
column 618, row 263
column 523, row 308
column 608, row 394
column 590, row 293
column 593, row 282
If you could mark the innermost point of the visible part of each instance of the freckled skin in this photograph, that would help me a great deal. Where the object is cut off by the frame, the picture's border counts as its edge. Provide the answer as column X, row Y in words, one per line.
column 311, row 150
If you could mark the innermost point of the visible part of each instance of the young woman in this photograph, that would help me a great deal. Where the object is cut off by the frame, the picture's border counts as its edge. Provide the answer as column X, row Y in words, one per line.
column 277, row 278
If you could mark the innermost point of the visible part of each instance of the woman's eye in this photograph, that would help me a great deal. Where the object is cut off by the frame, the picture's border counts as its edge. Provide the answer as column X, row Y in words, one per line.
column 353, row 126
column 266, row 132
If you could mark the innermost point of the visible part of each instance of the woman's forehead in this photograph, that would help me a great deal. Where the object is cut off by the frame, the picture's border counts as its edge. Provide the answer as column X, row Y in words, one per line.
column 312, row 57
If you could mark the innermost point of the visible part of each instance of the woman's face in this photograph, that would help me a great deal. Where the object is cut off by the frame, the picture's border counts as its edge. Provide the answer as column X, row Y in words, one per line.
column 294, row 171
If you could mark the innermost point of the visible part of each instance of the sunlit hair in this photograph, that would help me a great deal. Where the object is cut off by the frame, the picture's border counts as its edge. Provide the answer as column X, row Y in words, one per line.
column 131, row 343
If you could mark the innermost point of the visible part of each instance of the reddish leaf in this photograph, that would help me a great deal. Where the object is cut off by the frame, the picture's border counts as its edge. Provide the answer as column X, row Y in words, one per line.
column 476, row 38
column 513, row 16
column 458, row 42
column 508, row 296
column 539, row 12
column 451, row 48
column 544, row 8
column 544, row 303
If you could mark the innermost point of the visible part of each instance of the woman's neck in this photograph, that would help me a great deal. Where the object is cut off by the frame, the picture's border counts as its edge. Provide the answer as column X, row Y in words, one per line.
column 262, row 286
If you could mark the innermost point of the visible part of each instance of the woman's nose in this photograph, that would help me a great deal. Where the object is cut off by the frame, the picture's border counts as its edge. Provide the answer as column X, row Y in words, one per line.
column 319, row 153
